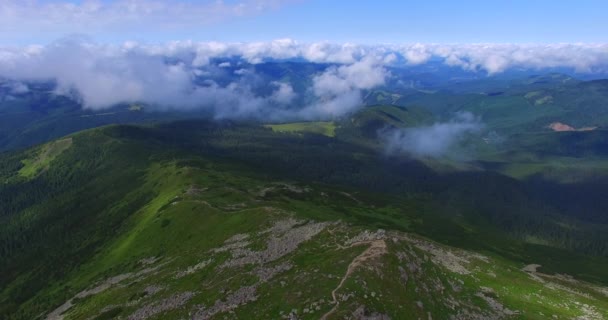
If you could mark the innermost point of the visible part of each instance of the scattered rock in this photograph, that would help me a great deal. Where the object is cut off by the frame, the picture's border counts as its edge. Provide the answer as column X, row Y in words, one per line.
column 57, row 314
column 283, row 240
column 361, row 313
column 366, row 236
column 454, row 260
column 193, row 269
column 148, row 261
column 239, row 237
column 589, row 313
column 150, row 290
column 167, row 304
column 267, row 273
column 194, row 190
column 420, row 305
column 240, row 297
column 499, row 310
column 282, row 187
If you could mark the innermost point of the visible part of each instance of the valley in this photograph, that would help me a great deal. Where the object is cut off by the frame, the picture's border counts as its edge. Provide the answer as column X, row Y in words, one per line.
column 303, row 159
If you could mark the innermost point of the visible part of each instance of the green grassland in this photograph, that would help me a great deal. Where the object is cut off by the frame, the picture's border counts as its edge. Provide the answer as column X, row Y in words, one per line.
column 320, row 127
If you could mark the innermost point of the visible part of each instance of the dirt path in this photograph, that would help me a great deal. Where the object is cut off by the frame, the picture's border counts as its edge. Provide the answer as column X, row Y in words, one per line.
column 376, row 249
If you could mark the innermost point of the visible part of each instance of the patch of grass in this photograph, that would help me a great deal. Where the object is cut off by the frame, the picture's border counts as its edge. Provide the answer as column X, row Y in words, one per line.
column 44, row 157
column 326, row 128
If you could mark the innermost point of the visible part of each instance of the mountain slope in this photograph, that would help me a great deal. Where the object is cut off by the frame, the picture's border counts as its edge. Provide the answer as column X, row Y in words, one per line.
column 194, row 218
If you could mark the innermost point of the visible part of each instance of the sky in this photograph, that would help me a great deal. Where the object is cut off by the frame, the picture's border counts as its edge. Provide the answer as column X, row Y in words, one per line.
column 202, row 55
column 25, row 22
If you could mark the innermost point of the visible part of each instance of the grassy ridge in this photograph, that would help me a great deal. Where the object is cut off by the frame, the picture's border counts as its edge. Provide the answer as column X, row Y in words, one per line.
column 205, row 205
column 122, row 194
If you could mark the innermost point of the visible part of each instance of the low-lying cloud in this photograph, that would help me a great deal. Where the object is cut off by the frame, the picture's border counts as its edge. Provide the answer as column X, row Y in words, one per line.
column 103, row 76
column 437, row 140
column 182, row 76
column 338, row 89
column 15, row 88
column 188, row 75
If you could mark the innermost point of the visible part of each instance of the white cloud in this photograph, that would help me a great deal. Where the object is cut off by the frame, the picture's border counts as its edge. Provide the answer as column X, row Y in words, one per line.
column 284, row 94
column 103, row 75
column 496, row 58
column 328, row 52
column 364, row 74
column 416, row 54
column 330, row 107
column 281, row 49
column 436, row 140
column 338, row 89
column 491, row 58
column 17, row 88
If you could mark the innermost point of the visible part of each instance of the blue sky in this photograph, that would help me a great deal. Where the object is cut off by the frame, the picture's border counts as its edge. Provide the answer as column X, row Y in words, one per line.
column 442, row 21
column 124, row 57
column 364, row 21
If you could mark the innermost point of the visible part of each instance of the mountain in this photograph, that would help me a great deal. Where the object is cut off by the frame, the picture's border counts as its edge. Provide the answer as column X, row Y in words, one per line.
column 137, row 212
column 40, row 115
column 213, row 219
column 509, row 103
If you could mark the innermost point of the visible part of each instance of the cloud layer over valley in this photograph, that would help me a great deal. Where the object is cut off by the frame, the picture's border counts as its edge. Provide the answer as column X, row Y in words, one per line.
column 222, row 77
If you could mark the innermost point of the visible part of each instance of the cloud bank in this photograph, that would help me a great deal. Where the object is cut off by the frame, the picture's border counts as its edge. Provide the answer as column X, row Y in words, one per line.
column 183, row 75
column 338, row 89
column 437, row 140
column 221, row 77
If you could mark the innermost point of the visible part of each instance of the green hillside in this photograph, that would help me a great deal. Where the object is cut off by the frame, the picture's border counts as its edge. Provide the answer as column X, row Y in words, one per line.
column 218, row 219
column 525, row 105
